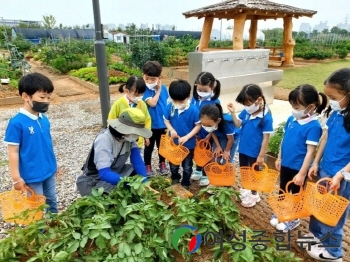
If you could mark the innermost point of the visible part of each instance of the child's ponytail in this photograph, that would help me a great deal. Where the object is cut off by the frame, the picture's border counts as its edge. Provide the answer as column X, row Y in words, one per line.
column 323, row 104
column 222, row 122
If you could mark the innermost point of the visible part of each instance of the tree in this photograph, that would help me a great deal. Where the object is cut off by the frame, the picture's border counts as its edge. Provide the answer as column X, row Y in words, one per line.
column 49, row 21
column 325, row 31
column 335, row 30
column 302, row 34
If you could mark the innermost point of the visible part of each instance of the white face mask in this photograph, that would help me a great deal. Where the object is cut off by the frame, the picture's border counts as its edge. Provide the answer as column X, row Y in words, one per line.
column 210, row 129
column 136, row 99
column 299, row 113
column 151, row 86
column 131, row 138
column 181, row 106
column 205, row 95
column 252, row 108
column 335, row 105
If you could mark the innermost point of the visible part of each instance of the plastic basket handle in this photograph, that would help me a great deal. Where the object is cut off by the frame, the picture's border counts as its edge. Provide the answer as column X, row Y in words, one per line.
column 216, row 160
column 325, row 179
column 204, row 143
column 279, row 190
column 32, row 193
column 290, row 182
column 263, row 164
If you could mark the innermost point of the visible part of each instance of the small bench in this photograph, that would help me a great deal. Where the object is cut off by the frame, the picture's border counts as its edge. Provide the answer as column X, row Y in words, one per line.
column 277, row 58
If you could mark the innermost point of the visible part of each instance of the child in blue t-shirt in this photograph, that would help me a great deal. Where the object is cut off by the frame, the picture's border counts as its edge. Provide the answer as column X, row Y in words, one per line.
column 206, row 91
column 156, row 97
column 31, row 157
column 332, row 160
column 302, row 133
column 182, row 120
column 222, row 132
column 256, row 122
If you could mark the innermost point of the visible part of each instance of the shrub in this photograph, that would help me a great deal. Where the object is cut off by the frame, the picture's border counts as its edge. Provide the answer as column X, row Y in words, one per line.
column 275, row 140
column 342, row 53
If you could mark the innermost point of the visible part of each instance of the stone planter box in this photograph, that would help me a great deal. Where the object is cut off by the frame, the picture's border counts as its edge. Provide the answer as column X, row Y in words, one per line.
column 14, row 100
column 270, row 161
column 92, row 86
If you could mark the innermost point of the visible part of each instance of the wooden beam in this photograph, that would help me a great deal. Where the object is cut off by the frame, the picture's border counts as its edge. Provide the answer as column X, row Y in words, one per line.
column 253, row 30
column 249, row 17
column 206, row 31
column 288, row 41
column 238, row 28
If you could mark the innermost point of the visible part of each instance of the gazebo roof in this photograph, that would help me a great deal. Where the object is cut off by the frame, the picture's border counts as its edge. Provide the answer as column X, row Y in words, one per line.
column 258, row 9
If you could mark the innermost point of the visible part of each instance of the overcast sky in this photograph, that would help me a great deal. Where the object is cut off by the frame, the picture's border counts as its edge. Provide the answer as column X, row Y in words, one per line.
column 79, row 12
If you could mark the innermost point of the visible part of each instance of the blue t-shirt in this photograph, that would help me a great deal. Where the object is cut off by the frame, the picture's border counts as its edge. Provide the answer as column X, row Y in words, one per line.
column 157, row 112
column 37, row 160
column 228, row 119
column 184, row 122
column 252, row 131
column 228, row 130
column 336, row 154
column 297, row 135
column 199, row 104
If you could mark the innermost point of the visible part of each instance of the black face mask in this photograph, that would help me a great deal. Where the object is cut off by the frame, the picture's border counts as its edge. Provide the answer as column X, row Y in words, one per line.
column 40, row 107
column 115, row 133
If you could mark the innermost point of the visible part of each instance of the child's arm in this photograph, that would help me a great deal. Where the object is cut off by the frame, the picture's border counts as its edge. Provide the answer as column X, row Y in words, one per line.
column 300, row 177
column 18, row 182
column 194, row 131
column 173, row 132
column 339, row 176
column 152, row 102
column 226, row 154
column 235, row 119
column 314, row 168
column 263, row 148
column 278, row 160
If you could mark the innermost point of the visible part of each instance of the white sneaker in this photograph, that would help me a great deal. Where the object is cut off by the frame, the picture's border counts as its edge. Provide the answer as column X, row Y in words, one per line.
column 243, row 193
column 288, row 225
column 211, row 192
column 274, row 221
column 204, row 181
column 250, row 200
column 321, row 254
column 308, row 238
column 196, row 175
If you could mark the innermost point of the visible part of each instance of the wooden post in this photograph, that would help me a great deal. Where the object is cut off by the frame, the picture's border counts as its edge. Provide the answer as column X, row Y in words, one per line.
column 253, row 30
column 288, row 41
column 238, row 28
column 206, row 31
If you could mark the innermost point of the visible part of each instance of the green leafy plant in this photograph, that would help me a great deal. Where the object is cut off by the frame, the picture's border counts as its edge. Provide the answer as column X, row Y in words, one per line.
column 275, row 140
column 129, row 224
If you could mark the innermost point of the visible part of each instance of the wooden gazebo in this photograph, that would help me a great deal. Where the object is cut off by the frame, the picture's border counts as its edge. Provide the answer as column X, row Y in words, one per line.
column 253, row 10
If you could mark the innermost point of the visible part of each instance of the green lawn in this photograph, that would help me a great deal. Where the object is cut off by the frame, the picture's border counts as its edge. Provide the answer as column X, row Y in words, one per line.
column 314, row 74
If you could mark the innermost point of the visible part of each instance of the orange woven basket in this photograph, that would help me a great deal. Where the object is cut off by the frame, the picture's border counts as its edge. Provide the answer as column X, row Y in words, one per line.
column 175, row 154
column 221, row 174
column 288, row 206
column 14, row 202
column 263, row 180
column 202, row 153
column 322, row 204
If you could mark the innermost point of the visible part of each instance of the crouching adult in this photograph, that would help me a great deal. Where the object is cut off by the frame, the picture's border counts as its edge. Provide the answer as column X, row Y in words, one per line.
column 112, row 148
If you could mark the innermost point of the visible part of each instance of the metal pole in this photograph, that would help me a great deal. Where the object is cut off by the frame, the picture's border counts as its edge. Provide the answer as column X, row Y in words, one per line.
column 221, row 25
column 101, row 63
